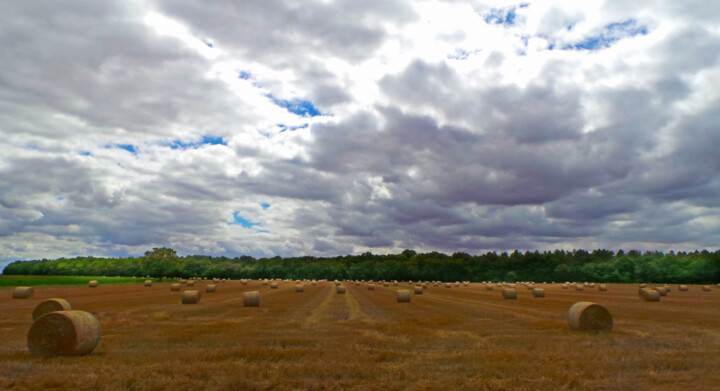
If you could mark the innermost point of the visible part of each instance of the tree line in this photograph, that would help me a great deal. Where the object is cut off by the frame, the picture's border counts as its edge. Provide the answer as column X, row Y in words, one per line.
column 699, row 267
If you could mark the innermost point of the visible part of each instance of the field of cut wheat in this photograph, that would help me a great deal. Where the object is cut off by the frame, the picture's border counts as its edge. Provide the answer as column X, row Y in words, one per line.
column 315, row 338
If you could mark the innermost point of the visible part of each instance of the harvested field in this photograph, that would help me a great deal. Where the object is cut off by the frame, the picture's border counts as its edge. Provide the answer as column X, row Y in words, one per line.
column 466, row 337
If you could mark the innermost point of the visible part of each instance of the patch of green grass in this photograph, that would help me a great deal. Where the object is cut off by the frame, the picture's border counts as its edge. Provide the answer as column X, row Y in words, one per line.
column 65, row 280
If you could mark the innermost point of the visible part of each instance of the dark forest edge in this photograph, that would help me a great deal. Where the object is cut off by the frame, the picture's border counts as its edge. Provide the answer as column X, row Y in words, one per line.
column 698, row 267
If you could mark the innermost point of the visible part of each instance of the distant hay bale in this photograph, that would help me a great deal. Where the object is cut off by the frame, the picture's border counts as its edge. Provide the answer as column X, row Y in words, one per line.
column 274, row 285
column 565, row 286
column 385, row 284
column 50, row 305
column 706, row 288
column 191, row 297
column 538, row 292
column 682, row 288
column 509, row 293
column 602, row 288
column 300, row 288
column 418, row 290
column 649, row 294
column 93, row 284
column 643, row 285
column 586, row 316
column 175, row 287
column 191, row 283
column 251, row 299
column 489, row 287
column 244, row 282
column 148, row 283
column 23, row 292
column 64, row 333
column 313, row 283
column 211, row 288
column 661, row 290
column 371, row 287
column 340, row 289
column 402, row 296
column 579, row 287
column 448, row 285
column 183, row 282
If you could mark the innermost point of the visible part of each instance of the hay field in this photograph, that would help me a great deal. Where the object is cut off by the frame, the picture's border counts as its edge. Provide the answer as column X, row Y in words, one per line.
column 448, row 338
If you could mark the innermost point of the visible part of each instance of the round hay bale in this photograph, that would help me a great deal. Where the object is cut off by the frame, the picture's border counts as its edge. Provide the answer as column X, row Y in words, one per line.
column 251, row 299
column 64, row 333
column 300, row 288
column 602, row 288
column 93, row 284
column 565, row 286
column 509, row 293
column 579, row 287
column 489, row 287
column 586, row 316
column 50, row 305
column 175, row 287
column 402, row 296
column 191, row 283
column 23, row 292
column 538, row 292
column 340, row 289
column 148, row 283
column 706, row 288
column 643, row 285
column 418, row 290
column 683, row 288
column 447, row 285
column 191, row 297
column 371, row 287
column 661, row 290
column 649, row 294
column 211, row 288
column 274, row 285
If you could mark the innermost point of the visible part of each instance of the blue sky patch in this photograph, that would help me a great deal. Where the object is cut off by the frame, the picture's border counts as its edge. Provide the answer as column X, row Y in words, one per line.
column 85, row 153
column 285, row 128
column 245, row 75
column 206, row 140
column 209, row 44
column 128, row 147
column 301, row 107
column 59, row 198
column 239, row 220
column 610, row 34
column 265, row 205
column 504, row 16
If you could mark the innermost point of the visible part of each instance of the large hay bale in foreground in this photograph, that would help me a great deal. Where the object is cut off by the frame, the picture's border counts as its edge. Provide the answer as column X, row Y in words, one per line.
column 340, row 289
column 586, row 316
column 538, row 292
column 402, row 296
column 93, row 284
column 251, row 299
column 418, row 290
column 64, row 333
column 191, row 297
column 509, row 293
column 148, row 283
column 683, row 288
column 211, row 288
column 300, row 288
column 50, row 305
column 23, row 292
column 649, row 294
column 371, row 287
column 175, row 287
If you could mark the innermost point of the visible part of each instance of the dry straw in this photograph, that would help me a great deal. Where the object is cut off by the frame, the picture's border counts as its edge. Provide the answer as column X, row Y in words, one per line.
column 340, row 289
column 586, row 316
column 191, row 297
column 564, row 286
column 93, row 284
column 175, row 287
column 300, row 288
column 418, row 290
column 402, row 296
column 683, row 288
column 538, row 292
column 509, row 293
column 649, row 294
column 191, row 283
column 274, row 285
column 148, row 283
column 579, row 287
column 211, row 288
column 661, row 290
column 50, row 305
column 23, row 292
column 706, row 288
column 448, row 285
column 251, row 299
column 489, row 287
column 602, row 288
column 371, row 287
column 64, row 333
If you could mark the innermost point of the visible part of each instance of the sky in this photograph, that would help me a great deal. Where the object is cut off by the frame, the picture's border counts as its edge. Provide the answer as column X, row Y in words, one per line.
column 333, row 127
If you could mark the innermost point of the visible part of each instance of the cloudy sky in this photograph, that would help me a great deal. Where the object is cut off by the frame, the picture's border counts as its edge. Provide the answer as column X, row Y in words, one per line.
column 330, row 127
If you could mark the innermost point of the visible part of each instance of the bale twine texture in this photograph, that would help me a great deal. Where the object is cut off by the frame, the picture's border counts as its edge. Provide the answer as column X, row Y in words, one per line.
column 509, row 293
column 23, row 292
column 402, row 296
column 64, row 333
column 191, row 297
column 251, row 299
column 586, row 316
column 50, row 305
